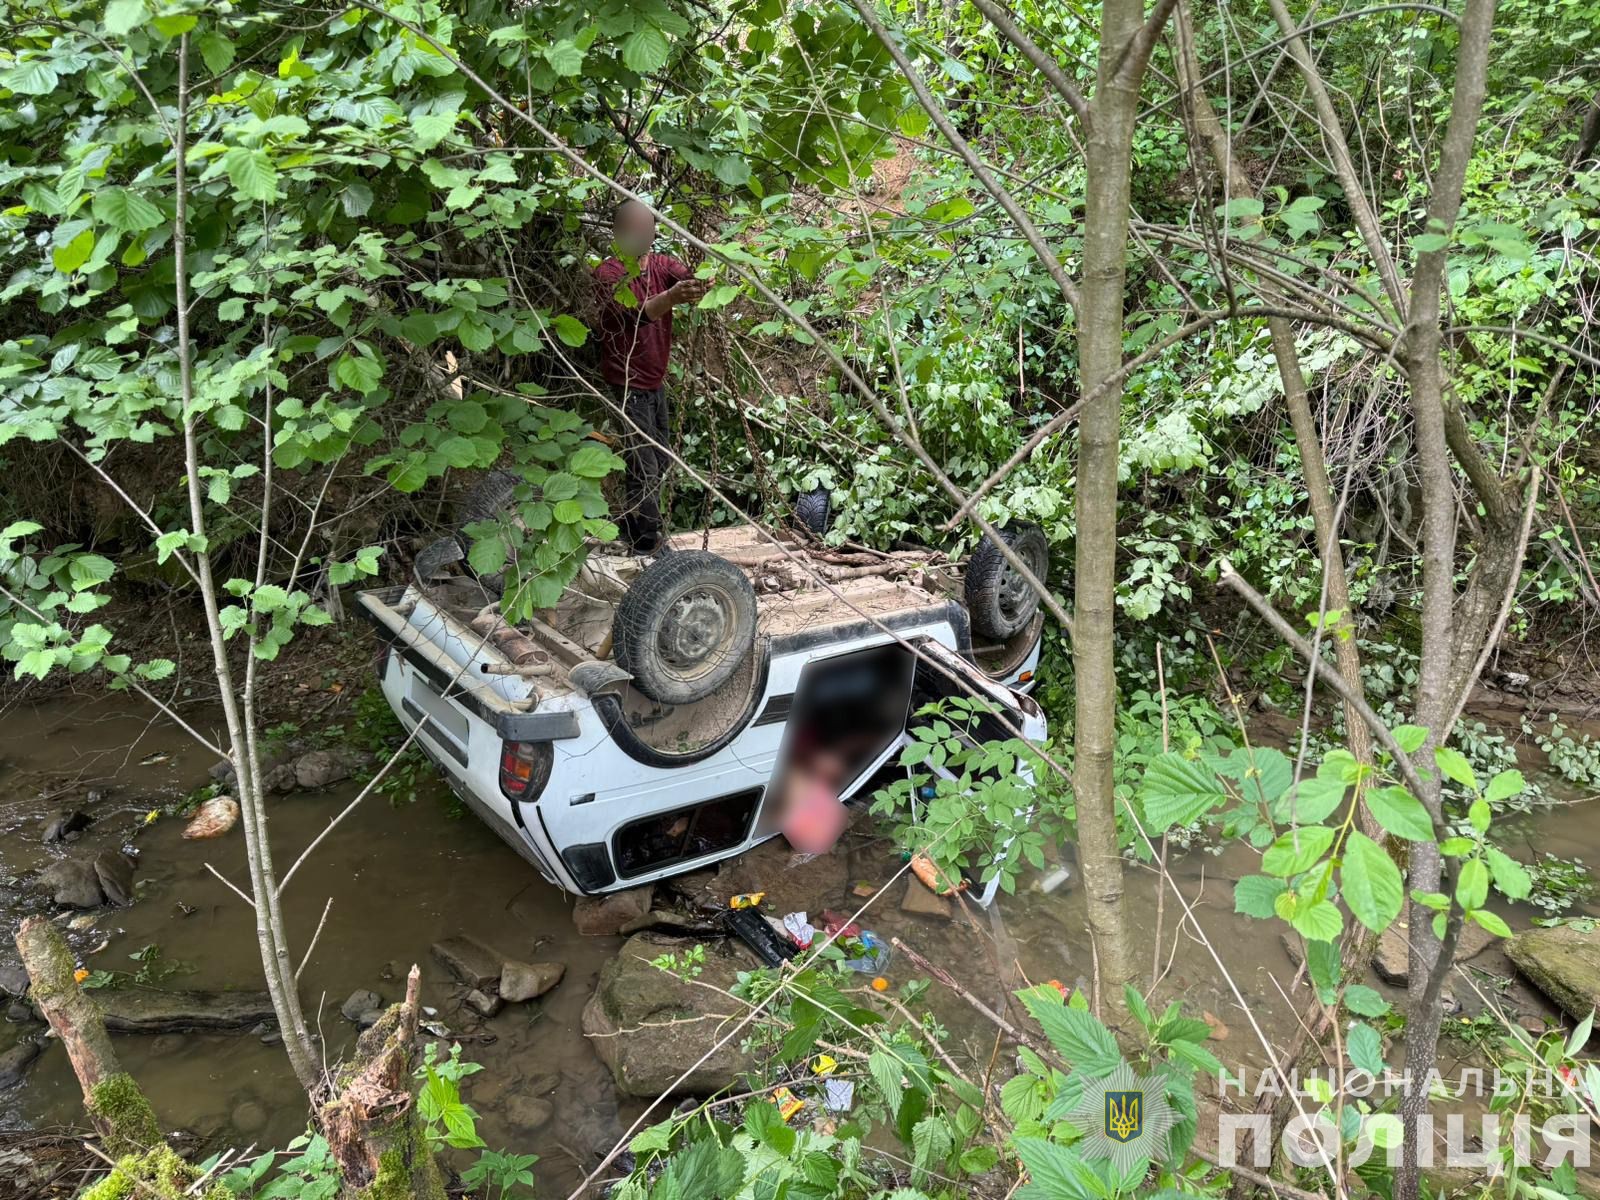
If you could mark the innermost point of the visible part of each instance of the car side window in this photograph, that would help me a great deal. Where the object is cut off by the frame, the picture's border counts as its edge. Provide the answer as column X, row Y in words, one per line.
column 684, row 833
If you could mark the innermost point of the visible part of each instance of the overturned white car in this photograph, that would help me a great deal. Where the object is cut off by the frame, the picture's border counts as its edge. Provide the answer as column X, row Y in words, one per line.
column 643, row 727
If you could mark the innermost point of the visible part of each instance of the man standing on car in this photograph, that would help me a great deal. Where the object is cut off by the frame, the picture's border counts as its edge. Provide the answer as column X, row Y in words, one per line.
column 635, row 344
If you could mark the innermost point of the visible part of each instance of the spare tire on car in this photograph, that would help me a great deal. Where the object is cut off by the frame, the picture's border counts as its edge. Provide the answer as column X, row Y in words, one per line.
column 999, row 600
column 813, row 509
column 486, row 500
column 684, row 626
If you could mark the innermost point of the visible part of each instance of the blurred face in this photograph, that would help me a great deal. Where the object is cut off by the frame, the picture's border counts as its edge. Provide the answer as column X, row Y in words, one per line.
column 635, row 230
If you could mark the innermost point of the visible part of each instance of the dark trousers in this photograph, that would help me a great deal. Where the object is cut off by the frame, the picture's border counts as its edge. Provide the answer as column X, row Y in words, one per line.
column 646, row 423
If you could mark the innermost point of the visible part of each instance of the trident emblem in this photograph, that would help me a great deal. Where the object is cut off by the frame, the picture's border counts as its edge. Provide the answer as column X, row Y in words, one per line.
column 1124, row 1115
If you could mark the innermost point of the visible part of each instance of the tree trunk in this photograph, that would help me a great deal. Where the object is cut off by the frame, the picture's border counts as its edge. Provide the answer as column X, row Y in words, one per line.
column 270, row 935
column 1100, row 328
column 372, row 1125
column 1435, row 705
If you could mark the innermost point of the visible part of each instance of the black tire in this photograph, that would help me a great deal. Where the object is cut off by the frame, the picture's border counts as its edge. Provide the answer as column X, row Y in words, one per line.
column 813, row 509
column 684, row 626
column 488, row 498
column 999, row 600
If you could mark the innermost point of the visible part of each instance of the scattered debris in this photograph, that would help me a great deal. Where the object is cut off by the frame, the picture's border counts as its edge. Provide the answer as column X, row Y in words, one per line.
column 213, row 818
column 483, row 1003
column 771, row 947
column 788, row 1103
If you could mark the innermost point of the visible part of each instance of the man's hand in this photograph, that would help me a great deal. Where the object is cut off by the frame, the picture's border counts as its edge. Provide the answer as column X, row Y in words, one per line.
column 687, row 291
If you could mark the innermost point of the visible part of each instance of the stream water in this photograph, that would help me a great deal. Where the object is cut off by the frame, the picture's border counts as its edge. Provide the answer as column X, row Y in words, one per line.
column 401, row 877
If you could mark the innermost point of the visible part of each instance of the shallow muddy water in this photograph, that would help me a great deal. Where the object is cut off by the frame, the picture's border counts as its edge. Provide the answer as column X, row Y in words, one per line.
column 402, row 877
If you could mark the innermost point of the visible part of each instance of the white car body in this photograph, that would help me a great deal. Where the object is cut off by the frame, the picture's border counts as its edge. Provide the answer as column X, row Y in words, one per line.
column 609, row 801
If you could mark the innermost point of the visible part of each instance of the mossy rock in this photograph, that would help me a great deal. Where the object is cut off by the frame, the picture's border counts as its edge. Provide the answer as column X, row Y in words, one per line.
column 649, row 1026
column 1563, row 963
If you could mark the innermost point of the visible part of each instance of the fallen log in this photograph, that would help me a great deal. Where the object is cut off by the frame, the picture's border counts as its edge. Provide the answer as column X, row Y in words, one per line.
column 118, row 1109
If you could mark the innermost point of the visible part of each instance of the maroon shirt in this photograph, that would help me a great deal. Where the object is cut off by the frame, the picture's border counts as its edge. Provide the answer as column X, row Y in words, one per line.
column 633, row 348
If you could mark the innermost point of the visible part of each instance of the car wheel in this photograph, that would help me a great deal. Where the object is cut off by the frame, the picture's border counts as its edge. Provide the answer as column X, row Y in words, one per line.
column 999, row 600
column 813, row 509
column 684, row 626
column 486, row 500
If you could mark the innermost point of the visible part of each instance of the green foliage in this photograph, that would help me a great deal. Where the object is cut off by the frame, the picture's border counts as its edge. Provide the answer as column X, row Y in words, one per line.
column 973, row 796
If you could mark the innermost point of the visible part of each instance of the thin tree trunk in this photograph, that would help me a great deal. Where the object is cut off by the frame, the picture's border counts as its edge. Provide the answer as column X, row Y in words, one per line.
column 1423, row 360
column 1100, row 332
column 275, row 959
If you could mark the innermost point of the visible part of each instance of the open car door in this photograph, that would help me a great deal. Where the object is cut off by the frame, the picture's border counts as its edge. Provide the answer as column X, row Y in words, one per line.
column 940, row 673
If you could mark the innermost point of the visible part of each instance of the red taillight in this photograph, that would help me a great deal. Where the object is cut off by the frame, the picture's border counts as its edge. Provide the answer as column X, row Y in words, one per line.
column 524, row 769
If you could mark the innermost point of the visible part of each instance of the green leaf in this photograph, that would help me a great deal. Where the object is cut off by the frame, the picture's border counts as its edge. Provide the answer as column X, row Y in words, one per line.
column 217, row 51
column 732, row 169
column 1311, row 800
column 1319, row 922
column 1455, row 766
column 1243, row 208
column 125, row 210
column 1365, row 1048
column 124, row 16
column 568, row 512
column 1370, row 882
column 359, row 372
column 1503, row 786
column 1400, row 813
column 1510, row 876
column 1057, row 1173
column 1410, row 737
column 1472, row 885
column 1297, row 850
column 886, row 1074
column 645, row 50
column 171, row 25
column 1080, row 1038
column 1254, row 896
column 251, row 172
column 34, row 77
column 564, row 57
column 487, row 555
column 1428, row 243
column 593, row 461
column 1479, row 816
column 1176, row 791
column 1364, row 1001
column 355, row 199
column 74, row 254
column 570, row 330
column 1491, row 921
